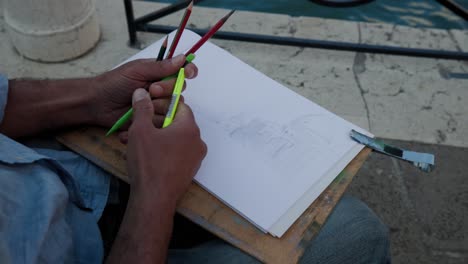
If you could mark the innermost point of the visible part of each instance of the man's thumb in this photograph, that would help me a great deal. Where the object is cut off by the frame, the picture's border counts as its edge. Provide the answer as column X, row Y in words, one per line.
column 142, row 106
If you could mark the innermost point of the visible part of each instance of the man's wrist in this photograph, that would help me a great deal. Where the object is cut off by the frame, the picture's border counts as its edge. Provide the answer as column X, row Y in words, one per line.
column 93, row 106
column 35, row 106
column 155, row 197
column 76, row 107
column 145, row 231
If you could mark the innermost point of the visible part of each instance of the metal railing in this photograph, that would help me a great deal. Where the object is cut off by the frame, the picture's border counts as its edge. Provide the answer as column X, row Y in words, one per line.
column 142, row 24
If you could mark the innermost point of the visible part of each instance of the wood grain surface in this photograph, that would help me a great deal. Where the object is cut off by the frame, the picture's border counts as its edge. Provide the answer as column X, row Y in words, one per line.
column 207, row 211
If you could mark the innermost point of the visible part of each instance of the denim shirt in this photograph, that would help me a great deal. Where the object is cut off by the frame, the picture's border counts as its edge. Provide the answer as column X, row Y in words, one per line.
column 50, row 202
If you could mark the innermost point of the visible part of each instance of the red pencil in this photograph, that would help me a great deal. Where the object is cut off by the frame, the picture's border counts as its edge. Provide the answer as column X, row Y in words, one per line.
column 180, row 30
column 209, row 34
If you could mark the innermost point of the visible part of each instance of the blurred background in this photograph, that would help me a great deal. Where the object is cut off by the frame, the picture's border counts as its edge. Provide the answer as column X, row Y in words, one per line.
column 415, row 13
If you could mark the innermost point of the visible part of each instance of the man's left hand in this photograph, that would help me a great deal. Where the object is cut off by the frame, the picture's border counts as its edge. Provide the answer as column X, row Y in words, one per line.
column 112, row 91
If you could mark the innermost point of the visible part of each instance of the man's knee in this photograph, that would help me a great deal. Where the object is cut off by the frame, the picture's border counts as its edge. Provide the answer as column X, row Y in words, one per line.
column 354, row 215
column 352, row 234
column 364, row 230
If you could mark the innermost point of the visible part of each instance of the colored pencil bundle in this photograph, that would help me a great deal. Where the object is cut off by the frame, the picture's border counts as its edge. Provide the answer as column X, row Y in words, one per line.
column 127, row 116
column 205, row 38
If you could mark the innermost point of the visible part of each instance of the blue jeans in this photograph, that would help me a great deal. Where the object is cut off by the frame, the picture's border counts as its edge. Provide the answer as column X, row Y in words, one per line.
column 352, row 234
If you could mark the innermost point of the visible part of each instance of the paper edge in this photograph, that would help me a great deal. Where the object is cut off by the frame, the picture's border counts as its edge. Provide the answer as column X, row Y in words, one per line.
column 300, row 206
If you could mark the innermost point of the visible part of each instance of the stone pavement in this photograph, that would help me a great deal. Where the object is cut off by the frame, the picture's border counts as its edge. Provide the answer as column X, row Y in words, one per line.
column 427, row 213
column 395, row 97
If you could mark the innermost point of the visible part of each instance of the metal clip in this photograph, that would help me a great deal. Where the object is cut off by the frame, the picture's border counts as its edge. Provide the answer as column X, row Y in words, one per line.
column 423, row 161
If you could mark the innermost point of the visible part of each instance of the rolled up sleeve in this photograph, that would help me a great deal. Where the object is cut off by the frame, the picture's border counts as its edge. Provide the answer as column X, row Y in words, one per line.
column 3, row 95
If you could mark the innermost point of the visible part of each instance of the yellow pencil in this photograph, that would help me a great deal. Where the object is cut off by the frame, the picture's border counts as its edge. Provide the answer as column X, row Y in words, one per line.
column 175, row 98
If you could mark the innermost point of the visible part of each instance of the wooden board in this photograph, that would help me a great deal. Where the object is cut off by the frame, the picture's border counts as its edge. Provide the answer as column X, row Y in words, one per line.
column 204, row 209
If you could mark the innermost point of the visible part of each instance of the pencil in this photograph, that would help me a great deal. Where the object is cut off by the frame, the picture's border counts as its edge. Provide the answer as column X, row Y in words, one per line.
column 162, row 50
column 210, row 33
column 180, row 30
column 128, row 115
column 175, row 98
column 122, row 120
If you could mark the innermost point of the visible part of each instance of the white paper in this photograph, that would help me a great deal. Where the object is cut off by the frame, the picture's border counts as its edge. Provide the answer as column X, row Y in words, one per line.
column 271, row 152
column 294, row 212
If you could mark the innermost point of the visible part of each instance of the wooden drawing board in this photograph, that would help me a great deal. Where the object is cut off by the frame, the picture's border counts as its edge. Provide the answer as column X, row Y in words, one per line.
column 210, row 213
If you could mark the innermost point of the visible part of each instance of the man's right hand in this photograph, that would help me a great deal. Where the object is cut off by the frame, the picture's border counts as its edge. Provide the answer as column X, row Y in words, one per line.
column 162, row 162
column 161, row 165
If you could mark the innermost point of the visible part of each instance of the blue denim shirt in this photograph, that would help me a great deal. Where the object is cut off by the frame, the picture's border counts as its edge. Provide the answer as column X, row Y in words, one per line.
column 50, row 202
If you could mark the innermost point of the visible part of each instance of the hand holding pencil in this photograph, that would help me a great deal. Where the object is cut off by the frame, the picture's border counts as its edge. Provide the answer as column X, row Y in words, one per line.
column 126, row 117
column 154, row 155
column 112, row 91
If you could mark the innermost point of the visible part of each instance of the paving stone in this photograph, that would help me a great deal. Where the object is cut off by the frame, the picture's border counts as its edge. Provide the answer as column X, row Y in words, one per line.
column 427, row 213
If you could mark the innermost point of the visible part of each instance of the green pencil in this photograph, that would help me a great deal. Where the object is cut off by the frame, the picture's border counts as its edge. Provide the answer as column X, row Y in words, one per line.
column 175, row 98
column 122, row 120
column 128, row 115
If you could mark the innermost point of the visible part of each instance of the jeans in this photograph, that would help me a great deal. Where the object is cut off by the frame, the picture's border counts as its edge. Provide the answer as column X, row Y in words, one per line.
column 352, row 234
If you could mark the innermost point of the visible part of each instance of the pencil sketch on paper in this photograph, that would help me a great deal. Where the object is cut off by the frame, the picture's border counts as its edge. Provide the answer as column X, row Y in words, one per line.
column 273, row 143
column 291, row 143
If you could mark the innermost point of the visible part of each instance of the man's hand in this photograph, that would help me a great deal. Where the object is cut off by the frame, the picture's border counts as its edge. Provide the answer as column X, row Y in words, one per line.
column 112, row 91
column 35, row 106
column 161, row 164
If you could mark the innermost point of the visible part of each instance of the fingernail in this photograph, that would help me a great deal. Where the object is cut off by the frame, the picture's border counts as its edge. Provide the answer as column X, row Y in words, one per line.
column 157, row 90
column 188, row 73
column 178, row 59
column 139, row 95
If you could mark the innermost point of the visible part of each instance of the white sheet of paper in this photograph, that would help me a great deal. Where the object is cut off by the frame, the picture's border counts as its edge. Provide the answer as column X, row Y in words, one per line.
column 271, row 152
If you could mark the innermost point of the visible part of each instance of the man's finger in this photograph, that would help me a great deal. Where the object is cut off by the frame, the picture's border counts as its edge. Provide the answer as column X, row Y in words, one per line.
column 191, row 71
column 142, row 107
column 184, row 115
column 163, row 88
column 158, row 120
column 161, row 106
column 123, row 137
column 149, row 69
column 184, row 122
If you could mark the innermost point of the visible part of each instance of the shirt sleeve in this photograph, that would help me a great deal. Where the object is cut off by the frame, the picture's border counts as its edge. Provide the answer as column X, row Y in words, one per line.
column 3, row 95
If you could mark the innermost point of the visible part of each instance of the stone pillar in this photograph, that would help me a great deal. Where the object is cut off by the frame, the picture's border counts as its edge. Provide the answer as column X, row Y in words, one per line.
column 51, row 30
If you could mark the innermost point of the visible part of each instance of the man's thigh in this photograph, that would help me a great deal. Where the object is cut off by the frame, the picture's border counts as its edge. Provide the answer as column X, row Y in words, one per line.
column 352, row 234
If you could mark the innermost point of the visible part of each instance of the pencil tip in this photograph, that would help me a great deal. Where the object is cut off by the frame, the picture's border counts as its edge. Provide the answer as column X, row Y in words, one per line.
column 190, row 5
column 165, row 41
column 228, row 15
